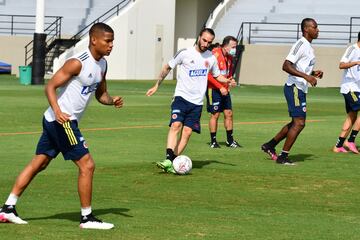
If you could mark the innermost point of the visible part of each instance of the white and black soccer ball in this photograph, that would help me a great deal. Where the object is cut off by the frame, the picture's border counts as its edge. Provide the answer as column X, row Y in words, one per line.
column 182, row 164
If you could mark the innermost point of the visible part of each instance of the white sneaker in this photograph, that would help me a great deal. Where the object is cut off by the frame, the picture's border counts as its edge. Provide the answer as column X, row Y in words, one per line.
column 91, row 222
column 8, row 214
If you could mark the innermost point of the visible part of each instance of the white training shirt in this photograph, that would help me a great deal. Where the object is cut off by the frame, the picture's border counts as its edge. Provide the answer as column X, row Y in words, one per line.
column 351, row 76
column 74, row 97
column 193, row 72
column 302, row 56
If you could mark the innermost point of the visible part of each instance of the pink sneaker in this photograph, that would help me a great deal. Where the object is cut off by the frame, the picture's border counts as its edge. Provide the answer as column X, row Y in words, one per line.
column 339, row 150
column 352, row 147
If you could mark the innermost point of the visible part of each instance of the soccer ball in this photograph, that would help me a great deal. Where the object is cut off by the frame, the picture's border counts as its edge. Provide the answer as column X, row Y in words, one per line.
column 182, row 164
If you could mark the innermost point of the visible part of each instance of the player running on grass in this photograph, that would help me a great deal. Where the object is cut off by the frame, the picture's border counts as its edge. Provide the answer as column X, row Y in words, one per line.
column 82, row 76
column 299, row 65
column 194, row 65
column 350, row 89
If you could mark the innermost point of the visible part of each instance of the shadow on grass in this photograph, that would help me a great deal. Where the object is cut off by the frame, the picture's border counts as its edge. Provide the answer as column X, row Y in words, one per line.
column 223, row 144
column 75, row 216
column 301, row 157
column 201, row 164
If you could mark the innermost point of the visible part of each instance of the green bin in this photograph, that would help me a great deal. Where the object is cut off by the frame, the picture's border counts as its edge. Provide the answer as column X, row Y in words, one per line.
column 25, row 75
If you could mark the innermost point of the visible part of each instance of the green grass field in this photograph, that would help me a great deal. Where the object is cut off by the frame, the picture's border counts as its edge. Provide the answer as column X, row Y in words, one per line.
column 230, row 193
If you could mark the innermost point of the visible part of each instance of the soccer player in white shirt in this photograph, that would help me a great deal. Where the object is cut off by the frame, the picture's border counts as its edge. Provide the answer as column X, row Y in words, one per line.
column 194, row 65
column 81, row 77
column 350, row 88
column 299, row 65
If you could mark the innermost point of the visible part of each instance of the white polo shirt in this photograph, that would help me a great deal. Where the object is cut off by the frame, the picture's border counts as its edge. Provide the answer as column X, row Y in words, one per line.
column 351, row 76
column 192, row 73
column 302, row 56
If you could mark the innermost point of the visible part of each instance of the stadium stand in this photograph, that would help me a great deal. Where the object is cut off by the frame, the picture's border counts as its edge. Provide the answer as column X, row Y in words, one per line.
column 76, row 14
column 287, row 11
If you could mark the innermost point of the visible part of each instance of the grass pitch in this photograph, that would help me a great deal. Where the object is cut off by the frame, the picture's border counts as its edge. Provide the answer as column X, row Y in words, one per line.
column 230, row 193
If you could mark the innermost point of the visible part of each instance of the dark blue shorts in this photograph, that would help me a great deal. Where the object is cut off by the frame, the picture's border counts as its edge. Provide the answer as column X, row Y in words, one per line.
column 352, row 101
column 217, row 102
column 65, row 138
column 296, row 100
column 186, row 112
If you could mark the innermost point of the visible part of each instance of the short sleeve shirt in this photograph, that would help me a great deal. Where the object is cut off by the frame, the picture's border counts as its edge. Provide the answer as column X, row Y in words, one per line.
column 193, row 70
column 302, row 56
column 351, row 76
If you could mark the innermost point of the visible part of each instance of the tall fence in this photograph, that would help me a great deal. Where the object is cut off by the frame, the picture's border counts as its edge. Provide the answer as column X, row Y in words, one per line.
column 22, row 24
column 285, row 33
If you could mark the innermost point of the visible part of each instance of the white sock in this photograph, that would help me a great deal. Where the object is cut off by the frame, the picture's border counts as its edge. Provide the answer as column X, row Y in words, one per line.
column 85, row 211
column 12, row 199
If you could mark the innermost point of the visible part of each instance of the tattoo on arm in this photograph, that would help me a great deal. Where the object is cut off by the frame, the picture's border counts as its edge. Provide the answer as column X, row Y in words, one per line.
column 164, row 72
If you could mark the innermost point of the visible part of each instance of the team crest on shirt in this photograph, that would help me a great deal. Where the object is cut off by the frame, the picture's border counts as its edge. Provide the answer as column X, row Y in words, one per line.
column 206, row 64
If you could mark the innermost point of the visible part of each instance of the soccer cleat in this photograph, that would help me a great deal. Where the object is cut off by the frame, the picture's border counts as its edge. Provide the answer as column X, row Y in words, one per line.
column 214, row 145
column 269, row 150
column 352, row 147
column 234, row 144
column 166, row 166
column 8, row 214
column 284, row 161
column 339, row 150
column 91, row 222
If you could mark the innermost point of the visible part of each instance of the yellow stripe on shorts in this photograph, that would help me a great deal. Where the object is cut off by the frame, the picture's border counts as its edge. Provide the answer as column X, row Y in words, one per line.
column 354, row 97
column 210, row 96
column 296, row 96
column 70, row 133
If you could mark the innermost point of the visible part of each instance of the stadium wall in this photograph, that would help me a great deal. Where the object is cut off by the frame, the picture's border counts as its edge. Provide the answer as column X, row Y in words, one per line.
column 144, row 40
column 13, row 51
column 262, row 65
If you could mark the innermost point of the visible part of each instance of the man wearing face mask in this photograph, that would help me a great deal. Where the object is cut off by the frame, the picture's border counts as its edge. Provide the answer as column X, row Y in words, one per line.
column 218, row 95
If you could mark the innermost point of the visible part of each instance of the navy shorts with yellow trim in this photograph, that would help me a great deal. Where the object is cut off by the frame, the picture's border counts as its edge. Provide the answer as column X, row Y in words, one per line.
column 187, row 113
column 296, row 101
column 217, row 102
column 352, row 101
column 65, row 138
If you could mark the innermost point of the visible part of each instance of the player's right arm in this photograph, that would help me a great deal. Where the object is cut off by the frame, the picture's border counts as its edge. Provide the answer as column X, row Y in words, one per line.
column 290, row 69
column 72, row 67
column 346, row 60
column 164, row 72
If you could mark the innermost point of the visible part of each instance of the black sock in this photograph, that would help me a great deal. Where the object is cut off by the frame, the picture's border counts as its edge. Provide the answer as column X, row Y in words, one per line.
column 272, row 143
column 284, row 154
column 213, row 137
column 170, row 154
column 340, row 142
column 229, row 135
column 353, row 136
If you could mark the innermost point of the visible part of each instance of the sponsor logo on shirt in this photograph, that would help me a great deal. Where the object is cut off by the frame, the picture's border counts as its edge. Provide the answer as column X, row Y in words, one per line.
column 89, row 89
column 198, row 72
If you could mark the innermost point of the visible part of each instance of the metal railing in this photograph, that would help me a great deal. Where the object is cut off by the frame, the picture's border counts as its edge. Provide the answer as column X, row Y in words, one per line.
column 287, row 33
column 110, row 13
column 53, row 31
column 22, row 24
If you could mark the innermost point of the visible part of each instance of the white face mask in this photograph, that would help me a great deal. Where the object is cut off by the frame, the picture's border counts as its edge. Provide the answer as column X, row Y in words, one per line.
column 232, row 52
